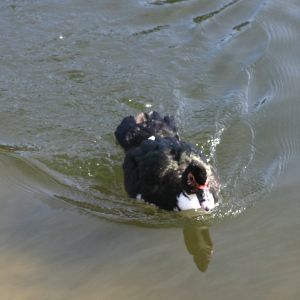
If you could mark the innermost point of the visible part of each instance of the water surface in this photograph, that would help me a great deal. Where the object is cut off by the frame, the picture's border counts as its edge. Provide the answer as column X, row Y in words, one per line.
column 70, row 71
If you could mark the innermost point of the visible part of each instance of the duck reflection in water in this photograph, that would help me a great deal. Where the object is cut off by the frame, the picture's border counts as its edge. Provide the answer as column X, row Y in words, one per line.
column 199, row 244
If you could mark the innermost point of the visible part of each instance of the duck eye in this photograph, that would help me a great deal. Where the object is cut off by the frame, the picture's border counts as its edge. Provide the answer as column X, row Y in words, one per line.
column 191, row 179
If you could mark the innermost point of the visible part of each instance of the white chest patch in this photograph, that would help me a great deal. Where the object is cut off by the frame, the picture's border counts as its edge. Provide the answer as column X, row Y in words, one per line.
column 186, row 202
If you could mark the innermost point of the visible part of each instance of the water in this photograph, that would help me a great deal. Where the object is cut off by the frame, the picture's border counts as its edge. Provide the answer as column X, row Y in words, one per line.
column 70, row 71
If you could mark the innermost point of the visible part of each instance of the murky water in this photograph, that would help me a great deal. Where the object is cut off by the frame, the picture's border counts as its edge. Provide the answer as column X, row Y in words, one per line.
column 70, row 71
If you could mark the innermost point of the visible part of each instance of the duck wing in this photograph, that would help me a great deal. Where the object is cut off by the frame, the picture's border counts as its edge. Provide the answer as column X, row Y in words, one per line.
column 152, row 171
column 133, row 131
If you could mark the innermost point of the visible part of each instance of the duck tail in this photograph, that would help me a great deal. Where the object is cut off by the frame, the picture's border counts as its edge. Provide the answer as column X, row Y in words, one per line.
column 134, row 130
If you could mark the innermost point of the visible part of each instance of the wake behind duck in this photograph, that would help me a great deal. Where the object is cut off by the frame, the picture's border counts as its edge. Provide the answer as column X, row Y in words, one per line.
column 161, row 169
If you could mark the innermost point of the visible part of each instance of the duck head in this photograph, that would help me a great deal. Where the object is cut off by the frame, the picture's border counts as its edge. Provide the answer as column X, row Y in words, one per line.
column 196, row 189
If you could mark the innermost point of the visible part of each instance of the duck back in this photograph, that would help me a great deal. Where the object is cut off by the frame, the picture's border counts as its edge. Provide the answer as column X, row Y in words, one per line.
column 152, row 170
column 134, row 130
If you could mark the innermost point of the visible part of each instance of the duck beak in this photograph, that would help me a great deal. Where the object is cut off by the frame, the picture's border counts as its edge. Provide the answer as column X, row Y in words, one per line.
column 206, row 199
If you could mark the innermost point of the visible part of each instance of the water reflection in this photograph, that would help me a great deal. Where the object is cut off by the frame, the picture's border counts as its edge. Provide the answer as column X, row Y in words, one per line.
column 199, row 244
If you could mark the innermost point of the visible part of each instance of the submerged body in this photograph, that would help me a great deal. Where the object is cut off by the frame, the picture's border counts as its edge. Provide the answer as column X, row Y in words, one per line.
column 161, row 169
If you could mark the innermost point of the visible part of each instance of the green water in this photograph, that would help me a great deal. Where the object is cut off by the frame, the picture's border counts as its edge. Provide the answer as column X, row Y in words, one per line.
column 70, row 71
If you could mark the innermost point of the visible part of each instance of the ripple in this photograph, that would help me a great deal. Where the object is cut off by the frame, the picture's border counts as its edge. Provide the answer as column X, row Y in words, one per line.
column 96, row 187
column 209, row 15
column 163, row 2
column 82, row 195
column 241, row 26
column 151, row 30
column 15, row 148
column 136, row 213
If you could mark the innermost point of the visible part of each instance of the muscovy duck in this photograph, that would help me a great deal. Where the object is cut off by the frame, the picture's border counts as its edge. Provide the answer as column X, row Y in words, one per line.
column 163, row 170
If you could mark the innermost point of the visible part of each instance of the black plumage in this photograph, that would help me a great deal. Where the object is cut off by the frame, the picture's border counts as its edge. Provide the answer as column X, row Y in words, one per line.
column 158, row 166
